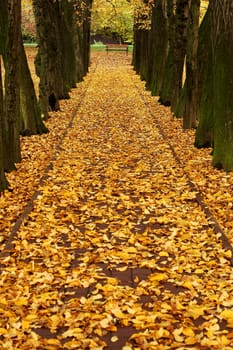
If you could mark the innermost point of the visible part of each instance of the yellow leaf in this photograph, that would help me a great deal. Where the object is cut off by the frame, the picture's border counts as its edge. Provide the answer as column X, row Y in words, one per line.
column 104, row 323
column 3, row 331
column 75, row 332
column 228, row 316
column 25, row 325
column 21, row 302
column 224, row 340
column 31, row 317
column 158, row 277
column 198, row 270
column 131, row 250
column 187, row 284
column 114, row 339
column 196, row 311
column 163, row 253
column 162, row 333
column 188, row 332
column 53, row 342
column 118, row 313
column 123, row 268
column 177, row 334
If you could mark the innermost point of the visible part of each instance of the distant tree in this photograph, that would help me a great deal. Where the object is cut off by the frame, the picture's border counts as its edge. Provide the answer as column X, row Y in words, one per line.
column 114, row 16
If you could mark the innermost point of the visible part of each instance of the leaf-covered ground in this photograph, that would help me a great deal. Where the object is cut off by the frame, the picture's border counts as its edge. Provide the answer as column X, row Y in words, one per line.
column 109, row 248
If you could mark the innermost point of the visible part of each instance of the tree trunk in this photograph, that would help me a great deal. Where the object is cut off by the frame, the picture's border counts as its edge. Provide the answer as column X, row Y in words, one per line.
column 30, row 114
column 166, row 89
column 157, row 48
column 180, row 42
column 86, row 34
column 3, row 181
column 177, row 13
column 222, row 44
column 11, row 57
column 205, row 128
column 141, row 52
column 51, row 86
column 142, row 29
column 191, row 103
column 59, row 61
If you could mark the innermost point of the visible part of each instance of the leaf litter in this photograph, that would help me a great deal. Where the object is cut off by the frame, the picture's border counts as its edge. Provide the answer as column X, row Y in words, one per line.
column 115, row 238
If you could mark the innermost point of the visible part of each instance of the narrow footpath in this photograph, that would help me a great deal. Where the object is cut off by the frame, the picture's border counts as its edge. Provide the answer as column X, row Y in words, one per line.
column 115, row 251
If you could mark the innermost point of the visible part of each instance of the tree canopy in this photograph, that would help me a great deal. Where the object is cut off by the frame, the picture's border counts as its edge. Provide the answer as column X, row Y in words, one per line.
column 114, row 16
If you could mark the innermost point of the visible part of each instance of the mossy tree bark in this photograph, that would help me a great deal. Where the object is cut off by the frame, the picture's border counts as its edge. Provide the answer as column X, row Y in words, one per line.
column 222, row 44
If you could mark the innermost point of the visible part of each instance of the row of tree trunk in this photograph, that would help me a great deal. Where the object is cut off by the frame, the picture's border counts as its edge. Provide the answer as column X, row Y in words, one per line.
column 63, row 30
column 176, row 43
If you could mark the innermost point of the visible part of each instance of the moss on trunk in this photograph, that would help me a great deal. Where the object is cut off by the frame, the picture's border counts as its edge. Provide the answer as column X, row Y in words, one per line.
column 221, row 19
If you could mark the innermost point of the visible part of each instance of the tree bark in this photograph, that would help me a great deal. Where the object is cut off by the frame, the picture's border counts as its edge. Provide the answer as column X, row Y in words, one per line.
column 3, row 181
column 205, row 129
column 166, row 89
column 180, row 42
column 142, row 30
column 49, row 63
column 63, row 55
column 158, row 47
column 141, row 53
column 30, row 114
column 191, row 103
column 222, row 45
column 11, row 57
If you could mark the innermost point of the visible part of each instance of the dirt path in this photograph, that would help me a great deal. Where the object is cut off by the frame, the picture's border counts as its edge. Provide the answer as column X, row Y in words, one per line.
column 114, row 251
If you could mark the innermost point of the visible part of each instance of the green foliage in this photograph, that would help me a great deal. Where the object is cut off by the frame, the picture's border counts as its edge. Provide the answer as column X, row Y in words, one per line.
column 114, row 16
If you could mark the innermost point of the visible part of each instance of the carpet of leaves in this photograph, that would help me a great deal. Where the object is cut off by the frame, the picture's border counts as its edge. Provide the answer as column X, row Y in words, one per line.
column 114, row 251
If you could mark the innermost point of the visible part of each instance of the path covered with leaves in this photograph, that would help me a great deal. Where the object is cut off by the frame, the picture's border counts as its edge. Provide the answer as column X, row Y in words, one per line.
column 109, row 247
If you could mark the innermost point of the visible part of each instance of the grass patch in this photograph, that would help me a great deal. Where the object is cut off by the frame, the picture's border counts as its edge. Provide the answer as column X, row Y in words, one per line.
column 102, row 47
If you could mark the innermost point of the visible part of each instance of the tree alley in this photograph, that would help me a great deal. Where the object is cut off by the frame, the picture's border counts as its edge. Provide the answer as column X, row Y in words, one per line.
column 176, row 41
column 63, row 30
